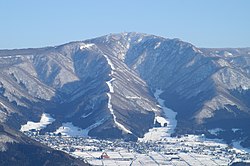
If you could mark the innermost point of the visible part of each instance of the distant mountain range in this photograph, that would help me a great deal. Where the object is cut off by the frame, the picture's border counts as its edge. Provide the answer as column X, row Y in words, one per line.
column 105, row 86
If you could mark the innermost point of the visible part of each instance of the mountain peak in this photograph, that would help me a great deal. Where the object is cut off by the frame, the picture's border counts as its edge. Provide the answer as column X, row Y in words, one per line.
column 102, row 86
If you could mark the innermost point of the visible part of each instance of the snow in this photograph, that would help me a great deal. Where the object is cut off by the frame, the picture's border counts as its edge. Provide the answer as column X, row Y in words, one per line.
column 197, row 50
column 111, row 90
column 191, row 62
column 139, row 61
column 109, row 83
column 86, row 115
column 4, row 139
column 223, row 63
column 161, row 120
column 85, row 46
column 168, row 113
column 114, row 116
column 238, row 148
column 127, row 46
column 185, row 150
column 139, row 40
column 155, row 134
column 228, row 54
column 110, row 63
column 68, row 129
column 3, row 105
column 133, row 97
column 215, row 131
column 244, row 87
column 235, row 129
column 158, row 133
column 9, row 57
column 45, row 120
column 157, row 45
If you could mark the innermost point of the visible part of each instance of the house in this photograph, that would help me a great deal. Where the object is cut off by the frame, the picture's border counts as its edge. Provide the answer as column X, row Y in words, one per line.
column 104, row 156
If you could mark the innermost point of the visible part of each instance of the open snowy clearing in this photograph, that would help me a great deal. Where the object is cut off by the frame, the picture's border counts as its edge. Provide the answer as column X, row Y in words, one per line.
column 158, row 133
column 45, row 120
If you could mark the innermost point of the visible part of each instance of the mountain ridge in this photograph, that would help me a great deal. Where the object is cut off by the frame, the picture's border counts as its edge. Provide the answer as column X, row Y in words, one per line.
column 197, row 83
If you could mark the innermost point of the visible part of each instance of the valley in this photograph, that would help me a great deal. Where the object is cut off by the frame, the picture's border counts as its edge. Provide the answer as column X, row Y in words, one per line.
column 185, row 150
column 134, row 88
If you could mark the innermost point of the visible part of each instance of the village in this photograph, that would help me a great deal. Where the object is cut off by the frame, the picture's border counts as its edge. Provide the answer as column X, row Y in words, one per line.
column 185, row 150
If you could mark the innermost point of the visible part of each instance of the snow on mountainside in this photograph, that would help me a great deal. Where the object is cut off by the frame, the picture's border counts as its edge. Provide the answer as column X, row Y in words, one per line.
column 104, row 86
column 167, row 122
column 75, row 75
column 111, row 90
column 45, row 120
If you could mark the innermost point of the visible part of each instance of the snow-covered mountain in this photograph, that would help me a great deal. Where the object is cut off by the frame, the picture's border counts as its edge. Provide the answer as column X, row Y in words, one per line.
column 105, row 86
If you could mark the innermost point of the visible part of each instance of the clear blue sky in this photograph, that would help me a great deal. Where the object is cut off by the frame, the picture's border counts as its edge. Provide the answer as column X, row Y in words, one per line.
column 210, row 23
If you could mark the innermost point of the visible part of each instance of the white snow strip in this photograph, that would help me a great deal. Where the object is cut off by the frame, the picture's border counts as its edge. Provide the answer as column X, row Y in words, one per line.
column 112, row 112
column 157, row 45
column 86, row 115
column 109, row 62
column 111, row 90
column 9, row 57
column 139, row 40
column 158, row 133
column 88, row 45
column 191, row 62
column 45, row 120
column 197, row 50
column 133, row 97
column 128, row 45
column 109, row 83
column 169, row 114
column 3, row 105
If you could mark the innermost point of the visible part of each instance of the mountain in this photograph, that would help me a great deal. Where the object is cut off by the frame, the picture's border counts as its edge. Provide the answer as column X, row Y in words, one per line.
column 18, row 149
column 105, row 86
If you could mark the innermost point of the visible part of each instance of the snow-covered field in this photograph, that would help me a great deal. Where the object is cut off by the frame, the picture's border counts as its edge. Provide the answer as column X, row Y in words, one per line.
column 45, row 120
column 189, row 150
column 186, row 150
column 154, row 158
column 68, row 129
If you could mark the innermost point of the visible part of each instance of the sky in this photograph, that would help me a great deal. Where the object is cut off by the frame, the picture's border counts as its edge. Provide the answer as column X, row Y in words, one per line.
column 210, row 23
